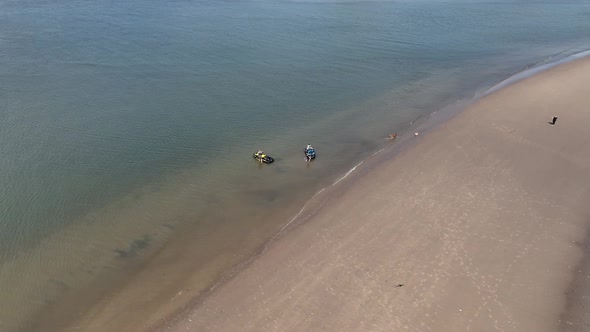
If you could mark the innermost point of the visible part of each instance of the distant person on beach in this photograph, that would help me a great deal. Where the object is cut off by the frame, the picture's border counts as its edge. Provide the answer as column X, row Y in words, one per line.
column 553, row 121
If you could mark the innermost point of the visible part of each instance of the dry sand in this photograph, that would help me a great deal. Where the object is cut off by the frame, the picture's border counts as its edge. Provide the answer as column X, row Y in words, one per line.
column 475, row 228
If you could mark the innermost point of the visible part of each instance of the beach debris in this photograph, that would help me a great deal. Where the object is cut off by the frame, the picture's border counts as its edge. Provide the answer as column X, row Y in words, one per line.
column 399, row 285
column 553, row 120
column 416, row 134
column 393, row 136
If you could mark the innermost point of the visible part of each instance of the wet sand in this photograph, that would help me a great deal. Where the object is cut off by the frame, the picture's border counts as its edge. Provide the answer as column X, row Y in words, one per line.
column 476, row 227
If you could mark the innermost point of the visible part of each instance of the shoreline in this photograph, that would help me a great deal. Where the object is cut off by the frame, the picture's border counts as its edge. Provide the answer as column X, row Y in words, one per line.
column 425, row 124
column 358, row 177
column 322, row 197
column 128, row 131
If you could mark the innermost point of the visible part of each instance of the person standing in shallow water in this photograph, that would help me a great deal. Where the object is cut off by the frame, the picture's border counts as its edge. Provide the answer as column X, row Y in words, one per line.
column 553, row 120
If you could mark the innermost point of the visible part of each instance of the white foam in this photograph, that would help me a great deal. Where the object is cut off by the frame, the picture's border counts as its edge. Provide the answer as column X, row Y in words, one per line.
column 347, row 173
column 529, row 72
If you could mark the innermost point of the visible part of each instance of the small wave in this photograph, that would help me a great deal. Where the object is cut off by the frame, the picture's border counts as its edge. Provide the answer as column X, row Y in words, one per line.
column 528, row 72
column 348, row 173
column 314, row 195
column 292, row 219
column 377, row 152
column 321, row 190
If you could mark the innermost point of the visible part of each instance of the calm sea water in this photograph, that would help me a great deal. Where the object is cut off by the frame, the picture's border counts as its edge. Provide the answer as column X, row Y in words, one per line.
column 120, row 121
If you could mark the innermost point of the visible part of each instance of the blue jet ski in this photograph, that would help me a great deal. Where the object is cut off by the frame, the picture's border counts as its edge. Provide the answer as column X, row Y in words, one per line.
column 309, row 152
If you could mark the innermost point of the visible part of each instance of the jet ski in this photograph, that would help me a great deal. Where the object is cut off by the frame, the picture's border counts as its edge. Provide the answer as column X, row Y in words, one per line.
column 263, row 157
column 309, row 152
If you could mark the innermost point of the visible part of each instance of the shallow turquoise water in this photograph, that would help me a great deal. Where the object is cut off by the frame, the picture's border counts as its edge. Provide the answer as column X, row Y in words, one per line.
column 119, row 117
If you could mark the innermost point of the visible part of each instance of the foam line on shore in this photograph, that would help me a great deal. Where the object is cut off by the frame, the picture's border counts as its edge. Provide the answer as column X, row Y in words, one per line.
column 348, row 173
column 503, row 84
column 534, row 70
column 439, row 220
column 273, row 240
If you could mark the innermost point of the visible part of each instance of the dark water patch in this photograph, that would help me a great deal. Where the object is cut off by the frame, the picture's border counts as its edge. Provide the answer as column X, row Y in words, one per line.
column 60, row 285
column 168, row 226
column 134, row 247
column 263, row 196
column 280, row 169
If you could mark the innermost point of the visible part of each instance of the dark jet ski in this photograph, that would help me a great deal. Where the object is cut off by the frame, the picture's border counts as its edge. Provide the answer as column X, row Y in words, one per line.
column 263, row 157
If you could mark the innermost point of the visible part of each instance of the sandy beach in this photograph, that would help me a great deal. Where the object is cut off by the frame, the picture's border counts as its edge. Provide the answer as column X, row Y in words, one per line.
column 478, row 226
